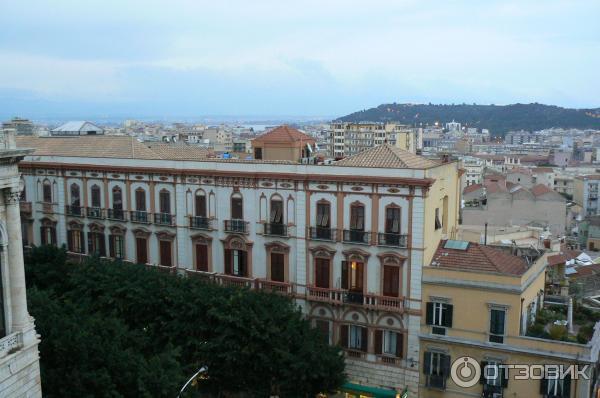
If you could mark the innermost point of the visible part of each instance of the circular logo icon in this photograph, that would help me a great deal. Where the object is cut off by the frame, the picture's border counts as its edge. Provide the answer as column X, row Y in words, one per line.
column 465, row 372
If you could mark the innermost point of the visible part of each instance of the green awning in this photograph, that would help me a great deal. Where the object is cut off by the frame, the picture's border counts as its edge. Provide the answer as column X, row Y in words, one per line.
column 373, row 392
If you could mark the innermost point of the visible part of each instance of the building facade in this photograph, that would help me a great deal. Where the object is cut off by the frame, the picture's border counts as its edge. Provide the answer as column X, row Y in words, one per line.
column 347, row 241
column 585, row 193
column 347, row 139
column 19, row 357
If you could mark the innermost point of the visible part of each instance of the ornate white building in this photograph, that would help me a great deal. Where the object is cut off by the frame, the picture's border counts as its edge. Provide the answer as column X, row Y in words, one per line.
column 347, row 241
column 19, row 358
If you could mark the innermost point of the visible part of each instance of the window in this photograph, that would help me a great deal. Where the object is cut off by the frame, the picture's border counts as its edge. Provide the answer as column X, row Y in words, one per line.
column 389, row 343
column 237, row 208
column 357, row 217
column 48, row 235
column 47, row 192
column 436, row 367
column 276, row 211
column 323, row 327
column 141, row 249
column 439, row 315
column 493, row 377
column 497, row 318
column 236, row 262
column 116, row 246
column 278, row 267
column 391, row 281
column 165, row 253
column 96, row 244
column 75, row 241
column 354, row 337
column 164, row 201
column 96, row 198
column 352, row 275
column 392, row 220
column 322, row 272
column 200, row 204
column 117, row 197
column 75, row 195
column 323, row 215
column 258, row 153
column 438, row 223
column 556, row 387
column 140, row 199
column 201, row 257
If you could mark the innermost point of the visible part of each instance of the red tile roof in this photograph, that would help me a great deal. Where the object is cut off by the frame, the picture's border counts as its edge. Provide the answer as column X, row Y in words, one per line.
column 540, row 189
column 284, row 134
column 472, row 188
column 478, row 258
column 562, row 257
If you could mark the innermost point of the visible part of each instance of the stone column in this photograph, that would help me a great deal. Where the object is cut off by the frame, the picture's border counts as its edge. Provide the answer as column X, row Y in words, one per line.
column 18, row 297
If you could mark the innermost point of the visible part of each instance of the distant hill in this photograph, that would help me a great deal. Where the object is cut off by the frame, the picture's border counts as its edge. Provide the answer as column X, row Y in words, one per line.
column 497, row 118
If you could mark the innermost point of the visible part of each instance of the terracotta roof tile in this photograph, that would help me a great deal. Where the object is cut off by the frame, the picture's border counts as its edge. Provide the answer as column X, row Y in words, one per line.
column 472, row 188
column 284, row 134
column 180, row 151
column 93, row 146
column 387, row 156
column 540, row 189
column 562, row 257
column 478, row 258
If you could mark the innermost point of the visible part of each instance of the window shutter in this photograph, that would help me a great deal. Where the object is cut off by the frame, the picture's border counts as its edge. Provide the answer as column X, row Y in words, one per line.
column 567, row 386
column 504, row 374
column 90, row 244
column 53, row 235
column 427, row 363
column 43, row 235
column 102, row 245
column 344, row 275
column 344, row 335
column 378, row 341
column 447, row 321
column 81, row 241
column 364, row 339
column 111, row 246
column 482, row 376
column 228, row 259
column 202, row 257
column 399, row 345
column 70, row 240
column 543, row 386
column 446, row 365
column 429, row 314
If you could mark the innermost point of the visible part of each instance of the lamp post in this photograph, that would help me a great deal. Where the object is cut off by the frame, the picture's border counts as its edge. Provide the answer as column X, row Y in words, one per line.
column 203, row 369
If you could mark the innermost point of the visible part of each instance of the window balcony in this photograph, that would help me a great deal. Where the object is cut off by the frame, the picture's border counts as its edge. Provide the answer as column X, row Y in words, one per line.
column 76, row 211
column 392, row 239
column 116, row 214
column 236, row 226
column 197, row 222
column 334, row 296
column 275, row 229
column 354, row 298
column 95, row 212
column 139, row 217
column 322, row 233
column 273, row 286
column 355, row 236
column 164, row 219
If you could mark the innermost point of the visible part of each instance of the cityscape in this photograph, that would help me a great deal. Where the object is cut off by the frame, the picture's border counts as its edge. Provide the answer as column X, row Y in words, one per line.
column 386, row 247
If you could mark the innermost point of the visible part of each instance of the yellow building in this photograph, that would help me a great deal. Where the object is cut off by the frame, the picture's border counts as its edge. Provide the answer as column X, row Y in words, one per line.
column 480, row 302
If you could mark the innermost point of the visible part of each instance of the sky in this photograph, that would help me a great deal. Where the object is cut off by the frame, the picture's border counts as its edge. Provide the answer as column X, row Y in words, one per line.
column 322, row 58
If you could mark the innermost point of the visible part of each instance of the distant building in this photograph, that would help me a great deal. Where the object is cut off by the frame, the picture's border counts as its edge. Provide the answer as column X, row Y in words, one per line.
column 347, row 139
column 585, row 193
column 77, row 128
column 589, row 233
column 453, row 126
column 21, row 126
column 474, row 170
column 283, row 143
column 520, row 137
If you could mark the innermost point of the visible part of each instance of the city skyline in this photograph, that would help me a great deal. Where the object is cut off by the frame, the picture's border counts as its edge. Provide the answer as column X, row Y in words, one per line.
column 184, row 59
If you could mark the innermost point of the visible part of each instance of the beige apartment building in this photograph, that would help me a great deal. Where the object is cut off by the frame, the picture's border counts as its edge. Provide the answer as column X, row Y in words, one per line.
column 347, row 139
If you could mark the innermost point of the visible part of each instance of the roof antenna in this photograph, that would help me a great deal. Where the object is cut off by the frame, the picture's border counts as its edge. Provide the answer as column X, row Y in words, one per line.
column 485, row 235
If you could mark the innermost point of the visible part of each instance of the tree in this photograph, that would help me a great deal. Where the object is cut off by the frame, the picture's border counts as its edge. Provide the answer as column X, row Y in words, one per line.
column 112, row 329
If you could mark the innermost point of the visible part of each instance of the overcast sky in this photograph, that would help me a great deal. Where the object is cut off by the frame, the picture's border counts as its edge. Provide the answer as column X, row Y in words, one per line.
column 322, row 58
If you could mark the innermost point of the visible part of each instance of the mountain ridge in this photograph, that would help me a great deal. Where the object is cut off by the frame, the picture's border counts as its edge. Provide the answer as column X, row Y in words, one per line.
column 499, row 119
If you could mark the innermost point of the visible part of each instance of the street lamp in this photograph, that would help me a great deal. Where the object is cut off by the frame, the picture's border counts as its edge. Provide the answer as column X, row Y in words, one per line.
column 203, row 369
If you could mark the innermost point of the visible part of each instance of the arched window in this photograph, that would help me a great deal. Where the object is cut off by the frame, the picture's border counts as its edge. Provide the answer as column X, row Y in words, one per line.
column 96, row 196
column 237, row 207
column 200, row 204
column 117, row 198
column 357, row 217
column 276, row 210
column 140, row 199
column 75, row 195
column 164, row 201
column 47, row 191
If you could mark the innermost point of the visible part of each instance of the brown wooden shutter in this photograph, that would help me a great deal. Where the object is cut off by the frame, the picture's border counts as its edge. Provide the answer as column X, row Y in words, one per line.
column 277, row 267
column 140, row 200
column 344, row 336
column 111, row 246
column 378, row 341
column 364, row 339
column 399, row 345
column 165, row 253
column 391, row 281
column 322, row 266
column 228, row 260
column 201, row 257
column 200, row 206
column 344, row 275
column 70, row 240
column 140, row 245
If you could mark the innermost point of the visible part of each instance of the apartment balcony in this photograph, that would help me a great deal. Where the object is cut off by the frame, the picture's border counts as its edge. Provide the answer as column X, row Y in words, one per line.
column 25, row 207
column 322, row 233
column 75, row 211
column 326, row 295
column 237, row 226
column 384, row 303
column 273, row 286
column 235, row 281
column 94, row 212
column 354, row 236
column 355, row 298
column 48, row 208
column 392, row 239
column 275, row 229
column 197, row 222
column 116, row 214
column 141, row 217
column 164, row 219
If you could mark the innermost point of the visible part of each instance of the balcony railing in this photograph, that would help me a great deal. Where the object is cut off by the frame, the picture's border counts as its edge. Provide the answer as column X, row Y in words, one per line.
column 139, row 216
column 392, row 239
column 164, row 218
column 394, row 304
column 235, row 281
column 116, row 214
column 238, row 226
column 94, row 212
column 198, row 222
column 354, row 298
column 275, row 229
column 74, row 211
column 273, row 286
column 335, row 296
column 323, row 233
column 354, row 236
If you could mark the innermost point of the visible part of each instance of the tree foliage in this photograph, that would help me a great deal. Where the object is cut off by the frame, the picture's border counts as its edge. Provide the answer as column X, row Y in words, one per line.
column 119, row 330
